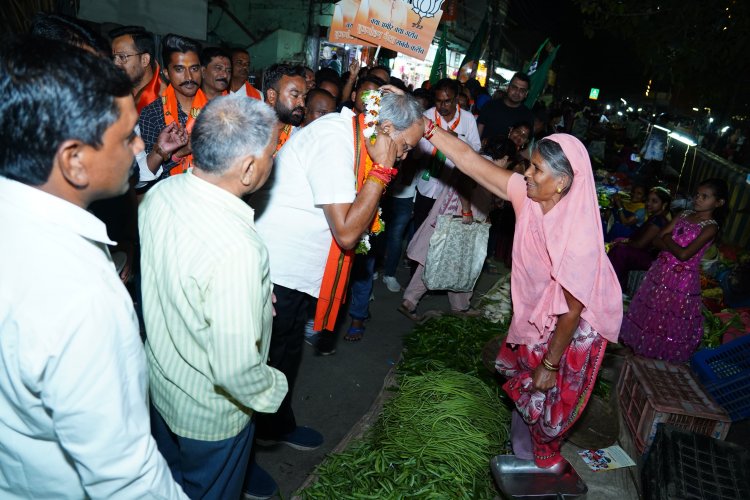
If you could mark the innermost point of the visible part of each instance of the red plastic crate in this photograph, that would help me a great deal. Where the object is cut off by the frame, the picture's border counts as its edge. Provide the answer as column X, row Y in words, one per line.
column 653, row 392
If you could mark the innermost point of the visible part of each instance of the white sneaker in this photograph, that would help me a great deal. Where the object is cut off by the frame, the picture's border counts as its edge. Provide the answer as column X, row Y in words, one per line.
column 375, row 275
column 392, row 283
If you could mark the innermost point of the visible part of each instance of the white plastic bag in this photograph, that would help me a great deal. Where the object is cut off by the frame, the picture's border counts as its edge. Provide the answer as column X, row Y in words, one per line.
column 456, row 254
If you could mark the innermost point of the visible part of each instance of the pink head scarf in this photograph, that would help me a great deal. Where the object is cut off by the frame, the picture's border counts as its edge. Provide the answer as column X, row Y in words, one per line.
column 572, row 232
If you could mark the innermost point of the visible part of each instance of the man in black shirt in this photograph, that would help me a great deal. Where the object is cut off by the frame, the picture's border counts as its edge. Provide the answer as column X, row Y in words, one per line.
column 498, row 116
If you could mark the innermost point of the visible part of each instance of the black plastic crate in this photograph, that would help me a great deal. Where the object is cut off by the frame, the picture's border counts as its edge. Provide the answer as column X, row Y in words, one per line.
column 683, row 465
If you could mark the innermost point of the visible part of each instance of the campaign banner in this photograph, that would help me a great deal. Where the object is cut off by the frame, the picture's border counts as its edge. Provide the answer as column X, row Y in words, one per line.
column 341, row 24
column 398, row 25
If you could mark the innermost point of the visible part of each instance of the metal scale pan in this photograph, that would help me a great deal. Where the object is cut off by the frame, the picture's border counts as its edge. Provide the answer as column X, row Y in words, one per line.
column 522, row 479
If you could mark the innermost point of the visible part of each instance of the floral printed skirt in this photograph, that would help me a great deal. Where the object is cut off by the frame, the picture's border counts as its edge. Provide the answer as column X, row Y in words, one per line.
column 551, row 414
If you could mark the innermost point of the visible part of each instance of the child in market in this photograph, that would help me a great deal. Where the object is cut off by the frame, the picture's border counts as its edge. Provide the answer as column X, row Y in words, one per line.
column 638, row 252
column 629, row 213
column 664, row 320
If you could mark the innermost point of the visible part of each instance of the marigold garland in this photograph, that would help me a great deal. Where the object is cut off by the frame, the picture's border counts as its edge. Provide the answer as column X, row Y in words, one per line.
column 371, row 101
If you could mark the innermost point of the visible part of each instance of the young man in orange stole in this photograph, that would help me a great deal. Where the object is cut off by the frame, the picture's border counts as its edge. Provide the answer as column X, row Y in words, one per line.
column 285, row 93
column 178, row 107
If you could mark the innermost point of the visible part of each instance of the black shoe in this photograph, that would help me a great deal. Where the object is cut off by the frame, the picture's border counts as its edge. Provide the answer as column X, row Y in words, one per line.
column 259, row 485
column 326, row 344
column 301, row 438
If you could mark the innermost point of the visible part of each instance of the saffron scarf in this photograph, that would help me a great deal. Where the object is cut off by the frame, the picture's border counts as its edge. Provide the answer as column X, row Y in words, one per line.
column 252, row 92
column 169, row 101
column 284, row 135
column 150, row 92
column 339, row 264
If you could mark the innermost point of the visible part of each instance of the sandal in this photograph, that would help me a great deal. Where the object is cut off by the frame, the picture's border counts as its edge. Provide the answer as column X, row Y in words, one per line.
column 354, row 334
column 409, row 313
column 469, row 312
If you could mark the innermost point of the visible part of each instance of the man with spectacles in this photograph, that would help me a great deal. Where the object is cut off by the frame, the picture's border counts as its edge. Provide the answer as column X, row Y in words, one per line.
column 133, row 51
column 498, row 116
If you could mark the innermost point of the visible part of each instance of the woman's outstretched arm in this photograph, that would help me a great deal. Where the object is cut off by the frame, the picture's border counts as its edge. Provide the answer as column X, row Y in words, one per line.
column 483, row 171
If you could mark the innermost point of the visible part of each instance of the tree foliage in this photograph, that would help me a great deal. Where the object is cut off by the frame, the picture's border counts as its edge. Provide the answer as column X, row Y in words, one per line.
column 691, row 43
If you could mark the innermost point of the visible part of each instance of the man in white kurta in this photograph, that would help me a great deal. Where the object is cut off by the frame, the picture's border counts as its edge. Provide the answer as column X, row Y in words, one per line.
column 73, row 415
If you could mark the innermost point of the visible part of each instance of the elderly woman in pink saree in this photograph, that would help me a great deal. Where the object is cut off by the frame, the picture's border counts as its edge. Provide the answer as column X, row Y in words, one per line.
column 566, row 298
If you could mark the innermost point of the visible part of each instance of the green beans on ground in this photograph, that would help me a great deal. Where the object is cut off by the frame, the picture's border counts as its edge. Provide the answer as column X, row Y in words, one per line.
column 434, row 439
column 450, row 342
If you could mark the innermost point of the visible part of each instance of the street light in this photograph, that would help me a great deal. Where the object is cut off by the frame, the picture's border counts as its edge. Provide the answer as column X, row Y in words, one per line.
column 683, row 139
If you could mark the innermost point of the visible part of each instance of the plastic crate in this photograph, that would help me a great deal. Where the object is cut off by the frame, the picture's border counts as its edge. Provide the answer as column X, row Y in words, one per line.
column 725, row 373
column 683, row 465
column 651, row 392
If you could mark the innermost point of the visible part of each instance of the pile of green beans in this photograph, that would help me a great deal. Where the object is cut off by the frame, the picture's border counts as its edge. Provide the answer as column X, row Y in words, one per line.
column 434, row 439
column 450, row 342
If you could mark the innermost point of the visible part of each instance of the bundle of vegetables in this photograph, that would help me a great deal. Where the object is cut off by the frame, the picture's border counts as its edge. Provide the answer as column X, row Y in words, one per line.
column 496, row 305
column 434, row 439
column 450, row 342
column 714, row 327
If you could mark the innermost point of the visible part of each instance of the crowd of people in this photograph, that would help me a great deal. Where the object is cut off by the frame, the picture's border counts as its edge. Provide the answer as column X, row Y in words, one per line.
column 245, row 220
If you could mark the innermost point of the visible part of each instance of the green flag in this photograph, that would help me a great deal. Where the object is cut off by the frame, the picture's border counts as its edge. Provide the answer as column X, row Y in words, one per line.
column 470, row 62
column 440, row 65
column 539, row 77
column 530, row 68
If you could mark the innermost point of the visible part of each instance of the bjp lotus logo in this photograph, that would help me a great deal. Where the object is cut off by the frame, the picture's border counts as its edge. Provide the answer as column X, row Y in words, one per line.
column 425, row 8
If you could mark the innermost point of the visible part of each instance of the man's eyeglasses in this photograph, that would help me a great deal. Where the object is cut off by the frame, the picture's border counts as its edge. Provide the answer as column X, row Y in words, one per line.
column 122, row 58
column 516, row 88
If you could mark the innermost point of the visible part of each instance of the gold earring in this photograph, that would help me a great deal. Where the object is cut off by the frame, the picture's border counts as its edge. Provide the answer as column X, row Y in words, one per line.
column 559, row 190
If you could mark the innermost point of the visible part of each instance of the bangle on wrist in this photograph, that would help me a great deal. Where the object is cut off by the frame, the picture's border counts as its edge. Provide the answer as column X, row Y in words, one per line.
column 549, row 366
column 159, row 151
column 430, row 129
column 468, row 213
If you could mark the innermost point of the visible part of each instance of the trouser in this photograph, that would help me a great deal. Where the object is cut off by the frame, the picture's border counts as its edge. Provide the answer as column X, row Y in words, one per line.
column 398, row 213
column 205, row 469
column 460, row 301
column 422, row 207
column 285, row 354
column 520, row 437
column 361, row 286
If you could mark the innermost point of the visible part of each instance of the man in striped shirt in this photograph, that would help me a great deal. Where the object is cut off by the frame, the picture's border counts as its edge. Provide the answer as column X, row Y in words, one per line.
column 207, row 301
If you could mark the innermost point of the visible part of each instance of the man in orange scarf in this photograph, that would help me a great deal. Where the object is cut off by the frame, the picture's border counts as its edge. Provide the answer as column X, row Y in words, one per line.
column 178, row 107
column 134, row 52
column 216, row 70
column 240, row 73
column 285, row 92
